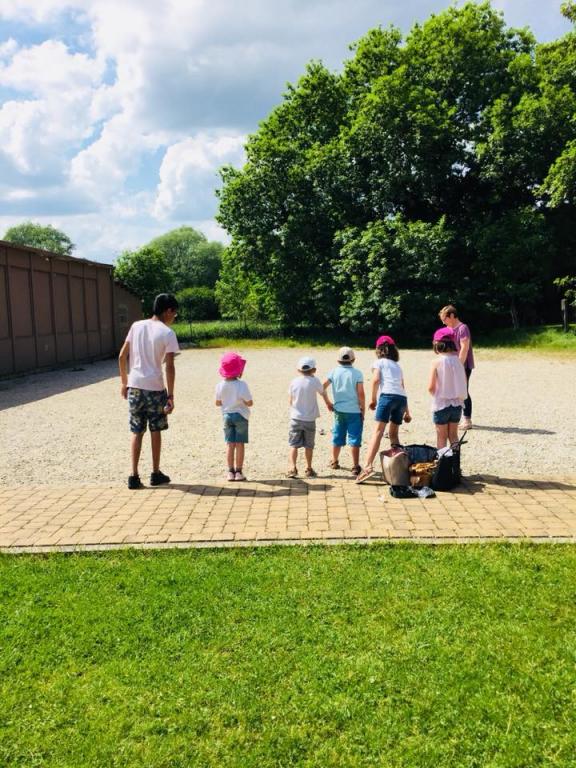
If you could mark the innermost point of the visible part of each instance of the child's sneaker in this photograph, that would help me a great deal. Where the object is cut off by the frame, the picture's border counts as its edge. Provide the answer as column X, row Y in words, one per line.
column 134, row 482
column 159, row 478
column 231, row 475
column 238, row 475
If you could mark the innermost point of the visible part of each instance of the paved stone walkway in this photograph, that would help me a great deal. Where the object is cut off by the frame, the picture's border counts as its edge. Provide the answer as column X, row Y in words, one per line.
column 45, row 518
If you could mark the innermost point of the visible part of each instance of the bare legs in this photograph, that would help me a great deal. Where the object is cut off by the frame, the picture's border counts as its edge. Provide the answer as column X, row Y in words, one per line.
column 375, row 442
column 354, row 450
column 446, row 434
column 136, row 450
column 293, row 457
column 235, row 455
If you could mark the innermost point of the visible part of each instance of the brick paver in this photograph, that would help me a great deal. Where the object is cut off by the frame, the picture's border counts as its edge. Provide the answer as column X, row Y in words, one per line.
column 42, row 518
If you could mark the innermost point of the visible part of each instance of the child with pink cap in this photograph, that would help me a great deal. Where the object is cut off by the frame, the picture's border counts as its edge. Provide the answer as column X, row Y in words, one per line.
column 448, row 387
column 235, row 399
column 392, row 404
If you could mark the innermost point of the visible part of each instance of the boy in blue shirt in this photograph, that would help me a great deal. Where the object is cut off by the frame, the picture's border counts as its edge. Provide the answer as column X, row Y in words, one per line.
column 349, row 404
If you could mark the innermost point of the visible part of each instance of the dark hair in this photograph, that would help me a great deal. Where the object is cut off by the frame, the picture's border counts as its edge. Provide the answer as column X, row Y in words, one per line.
column 444, row 346
column 162, row 302
column 389, row 351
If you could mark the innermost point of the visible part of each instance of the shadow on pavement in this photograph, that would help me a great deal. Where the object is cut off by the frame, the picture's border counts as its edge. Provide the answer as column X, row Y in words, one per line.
column 478, row 483
column 37, row 386
column 513, row 430
column 277, row 489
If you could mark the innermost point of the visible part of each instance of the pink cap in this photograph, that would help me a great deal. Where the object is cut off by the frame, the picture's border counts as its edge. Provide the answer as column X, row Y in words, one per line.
column 231, row 365
column 444, row 334
column 385, row 340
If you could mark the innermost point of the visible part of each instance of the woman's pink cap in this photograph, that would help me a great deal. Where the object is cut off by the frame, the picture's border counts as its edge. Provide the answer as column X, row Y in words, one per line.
column 385, row 340
column 444, row 334
column 231, row 365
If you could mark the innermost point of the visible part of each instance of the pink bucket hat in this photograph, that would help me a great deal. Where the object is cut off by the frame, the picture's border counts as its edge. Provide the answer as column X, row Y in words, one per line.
column 444, row 334
column 385, row 340
column 231, row 365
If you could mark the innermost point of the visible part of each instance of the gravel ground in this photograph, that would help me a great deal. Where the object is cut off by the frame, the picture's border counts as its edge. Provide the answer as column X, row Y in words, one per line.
column 70, row 426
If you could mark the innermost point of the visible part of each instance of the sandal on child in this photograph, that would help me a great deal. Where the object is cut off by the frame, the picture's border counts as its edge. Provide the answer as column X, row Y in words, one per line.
column 357, row 470
column 335, row 464
column 365, row 474
column 310, row 472
column 292, row 472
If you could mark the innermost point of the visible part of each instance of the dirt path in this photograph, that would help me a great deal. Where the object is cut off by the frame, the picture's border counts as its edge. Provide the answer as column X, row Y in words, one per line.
column 70, row 427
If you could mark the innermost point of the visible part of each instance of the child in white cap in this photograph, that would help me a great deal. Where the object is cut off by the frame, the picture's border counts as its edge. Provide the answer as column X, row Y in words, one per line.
column 304, row 411
column 349, row 404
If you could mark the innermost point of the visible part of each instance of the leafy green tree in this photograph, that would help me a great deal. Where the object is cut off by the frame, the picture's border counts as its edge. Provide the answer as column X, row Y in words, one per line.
column 193, row 260
column 197, row 303
column 511, row 266
column 146, row 273
column 393, row 273
column 464, row 125
column 241, row 297
column 38, row 236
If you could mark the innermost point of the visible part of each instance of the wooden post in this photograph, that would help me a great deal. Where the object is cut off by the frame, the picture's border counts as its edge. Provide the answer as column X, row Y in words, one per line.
column 564, row 308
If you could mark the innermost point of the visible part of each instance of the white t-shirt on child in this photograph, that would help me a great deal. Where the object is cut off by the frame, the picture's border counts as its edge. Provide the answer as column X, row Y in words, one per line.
column 451, row 384
column 149, row 342
column 232, row 393
column 304, row 391
column 390, row 377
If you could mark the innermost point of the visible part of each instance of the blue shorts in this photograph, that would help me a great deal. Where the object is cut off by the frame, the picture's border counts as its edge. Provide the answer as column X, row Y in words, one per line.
column 235, row 428
column 449, row 415
column 391, row 408
column 350, row 424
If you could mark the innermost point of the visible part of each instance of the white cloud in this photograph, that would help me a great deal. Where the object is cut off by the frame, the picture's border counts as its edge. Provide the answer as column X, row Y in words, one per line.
column 189, row 173
column 116, row 83
column 42, row 69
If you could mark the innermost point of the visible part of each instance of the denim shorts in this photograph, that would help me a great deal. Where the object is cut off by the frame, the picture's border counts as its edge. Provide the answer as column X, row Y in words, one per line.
column 235, row 428
column 147, row 409
column 350, row 424
column 302, row 434
column 449, row 415
column 391, row 408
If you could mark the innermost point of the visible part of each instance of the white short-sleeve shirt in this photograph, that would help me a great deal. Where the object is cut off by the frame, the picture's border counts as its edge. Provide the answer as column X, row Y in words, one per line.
column 304, row 391
column 232, row 393
column 390, row 377
column 150, row 341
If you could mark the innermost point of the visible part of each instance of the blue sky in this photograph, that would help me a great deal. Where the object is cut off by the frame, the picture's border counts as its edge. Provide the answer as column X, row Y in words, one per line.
column 115, row 115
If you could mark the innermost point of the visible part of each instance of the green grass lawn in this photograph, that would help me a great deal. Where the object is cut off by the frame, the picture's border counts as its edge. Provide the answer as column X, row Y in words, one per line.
column 227, row 333
column 401, row 655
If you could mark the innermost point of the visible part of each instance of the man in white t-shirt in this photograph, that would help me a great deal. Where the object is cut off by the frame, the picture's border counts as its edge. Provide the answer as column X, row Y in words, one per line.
column 149, row 345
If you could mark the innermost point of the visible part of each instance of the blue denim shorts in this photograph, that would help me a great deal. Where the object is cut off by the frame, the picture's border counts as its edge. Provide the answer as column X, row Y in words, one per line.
column 391, row 408
column 347, row 424
column 449, row 415
column 235, row 428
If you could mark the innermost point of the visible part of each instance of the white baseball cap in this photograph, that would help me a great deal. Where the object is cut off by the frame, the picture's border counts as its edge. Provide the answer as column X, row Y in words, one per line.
column 346, row 355
column 306, row 363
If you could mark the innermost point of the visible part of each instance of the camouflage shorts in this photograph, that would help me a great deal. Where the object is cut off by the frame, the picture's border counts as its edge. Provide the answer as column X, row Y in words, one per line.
column 147, row 408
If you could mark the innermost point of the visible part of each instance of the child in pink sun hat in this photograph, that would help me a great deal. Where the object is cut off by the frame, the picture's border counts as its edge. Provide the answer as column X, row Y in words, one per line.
column 235, row 400
column 448, row 387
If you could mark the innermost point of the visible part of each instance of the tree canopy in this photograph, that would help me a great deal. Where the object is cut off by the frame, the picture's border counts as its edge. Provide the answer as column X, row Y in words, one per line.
column 39, row 236
column 173, row 262
column 432, row 169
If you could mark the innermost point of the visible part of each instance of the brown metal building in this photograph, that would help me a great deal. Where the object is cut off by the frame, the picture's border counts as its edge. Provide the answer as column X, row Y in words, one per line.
column 57, row 309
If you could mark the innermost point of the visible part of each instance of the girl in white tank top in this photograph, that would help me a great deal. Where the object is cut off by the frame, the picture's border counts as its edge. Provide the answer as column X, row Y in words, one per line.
column 448, row 388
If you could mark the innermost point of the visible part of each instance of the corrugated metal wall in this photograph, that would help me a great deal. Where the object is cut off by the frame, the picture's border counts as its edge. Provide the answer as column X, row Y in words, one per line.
column 56, row 310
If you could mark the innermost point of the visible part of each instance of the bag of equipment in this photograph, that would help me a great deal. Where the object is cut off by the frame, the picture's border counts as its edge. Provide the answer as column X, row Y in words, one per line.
column 395, row 464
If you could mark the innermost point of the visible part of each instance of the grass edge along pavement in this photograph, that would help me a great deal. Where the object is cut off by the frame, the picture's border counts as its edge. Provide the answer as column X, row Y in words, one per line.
column 386, row 655
column 226, row 333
